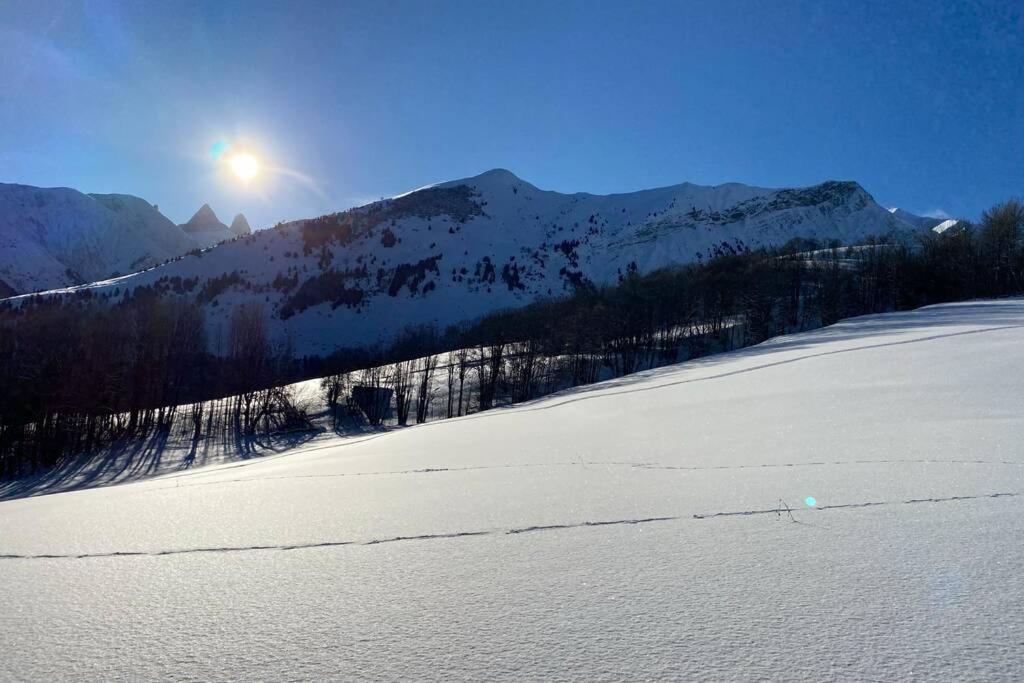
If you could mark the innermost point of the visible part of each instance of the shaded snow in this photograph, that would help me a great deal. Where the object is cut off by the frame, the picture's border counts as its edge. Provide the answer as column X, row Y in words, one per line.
column 626, row 529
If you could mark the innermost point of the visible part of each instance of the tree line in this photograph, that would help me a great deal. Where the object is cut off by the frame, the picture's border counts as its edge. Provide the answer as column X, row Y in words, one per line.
column 78, row 375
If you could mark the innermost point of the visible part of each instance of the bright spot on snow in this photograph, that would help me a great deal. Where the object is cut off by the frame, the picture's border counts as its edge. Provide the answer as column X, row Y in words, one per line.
column 218, row 148
column 245, row 166
column 811, row 502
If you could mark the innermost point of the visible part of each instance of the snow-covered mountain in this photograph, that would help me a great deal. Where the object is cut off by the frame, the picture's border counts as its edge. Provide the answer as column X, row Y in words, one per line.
column 936, row 225
column 207, row 230
column 55, row 237
column 457, row 250
column 922, row 222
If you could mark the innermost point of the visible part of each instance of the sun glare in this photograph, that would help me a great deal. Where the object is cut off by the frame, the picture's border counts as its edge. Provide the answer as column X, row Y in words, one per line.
column 245, row 166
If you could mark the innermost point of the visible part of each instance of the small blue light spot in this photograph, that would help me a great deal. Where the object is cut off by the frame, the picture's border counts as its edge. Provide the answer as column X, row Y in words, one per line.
column 811, row 502
column 218, row 148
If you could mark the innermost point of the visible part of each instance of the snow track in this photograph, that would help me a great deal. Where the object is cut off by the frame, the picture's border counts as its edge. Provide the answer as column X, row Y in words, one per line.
column 465, row 534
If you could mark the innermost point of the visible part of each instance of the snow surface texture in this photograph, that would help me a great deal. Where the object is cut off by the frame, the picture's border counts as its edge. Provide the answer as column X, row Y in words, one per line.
column 621, row 530
column 456, row 251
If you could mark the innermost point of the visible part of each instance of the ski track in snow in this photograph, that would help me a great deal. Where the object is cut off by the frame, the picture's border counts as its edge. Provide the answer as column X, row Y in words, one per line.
column 492, row 532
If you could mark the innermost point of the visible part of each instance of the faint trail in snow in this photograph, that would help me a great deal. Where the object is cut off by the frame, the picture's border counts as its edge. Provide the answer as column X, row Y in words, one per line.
column 481, row 532
column 897, row 461
column 587, row 463
column 551, row 527
column 427, row 537
column 912, row 501
column 423, row 470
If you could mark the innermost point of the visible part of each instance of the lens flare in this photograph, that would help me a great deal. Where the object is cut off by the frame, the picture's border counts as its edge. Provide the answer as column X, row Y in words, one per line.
column 811, row 502
column 218, row 149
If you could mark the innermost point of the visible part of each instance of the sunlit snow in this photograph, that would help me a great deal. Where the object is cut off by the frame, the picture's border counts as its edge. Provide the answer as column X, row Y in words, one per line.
column 648, row 527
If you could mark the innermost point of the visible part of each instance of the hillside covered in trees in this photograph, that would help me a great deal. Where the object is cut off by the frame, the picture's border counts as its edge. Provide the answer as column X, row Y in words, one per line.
column 72, row 386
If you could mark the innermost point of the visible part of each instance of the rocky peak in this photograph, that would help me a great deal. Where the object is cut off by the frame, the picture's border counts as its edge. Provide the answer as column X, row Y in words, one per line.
column 240, row 226
column 204, row 220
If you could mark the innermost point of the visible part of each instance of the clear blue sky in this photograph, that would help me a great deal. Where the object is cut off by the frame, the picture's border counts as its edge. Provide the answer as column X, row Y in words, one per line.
column 921, row 102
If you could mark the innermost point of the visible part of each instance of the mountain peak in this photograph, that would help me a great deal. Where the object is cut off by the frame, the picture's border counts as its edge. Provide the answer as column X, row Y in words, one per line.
column 499, row 173
column 240, row 226
column 495, row 176
column 496, row 180
column 204, row 220
column 204, row 214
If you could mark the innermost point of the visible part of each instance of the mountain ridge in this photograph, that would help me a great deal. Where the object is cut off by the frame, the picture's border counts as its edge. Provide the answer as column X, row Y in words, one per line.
column 54, row 237
column 456, row 250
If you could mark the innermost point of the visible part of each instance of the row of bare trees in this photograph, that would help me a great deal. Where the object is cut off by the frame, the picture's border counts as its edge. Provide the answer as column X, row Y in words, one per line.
column 80, row 378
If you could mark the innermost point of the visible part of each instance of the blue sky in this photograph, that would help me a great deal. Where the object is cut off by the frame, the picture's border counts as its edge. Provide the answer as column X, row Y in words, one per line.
column 921, row 102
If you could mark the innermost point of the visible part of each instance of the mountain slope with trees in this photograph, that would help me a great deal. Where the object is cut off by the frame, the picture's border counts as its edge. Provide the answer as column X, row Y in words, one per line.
column 453, row 252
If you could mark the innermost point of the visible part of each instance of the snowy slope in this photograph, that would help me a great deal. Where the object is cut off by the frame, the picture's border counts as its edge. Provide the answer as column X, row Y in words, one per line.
column 54, row 237
column 455, row 251
column 621, row 530
column 948, row 225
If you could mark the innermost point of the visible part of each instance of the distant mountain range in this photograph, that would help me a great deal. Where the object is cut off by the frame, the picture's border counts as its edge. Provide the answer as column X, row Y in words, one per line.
column 56, row 237
column 206, row 229
column 454, row 251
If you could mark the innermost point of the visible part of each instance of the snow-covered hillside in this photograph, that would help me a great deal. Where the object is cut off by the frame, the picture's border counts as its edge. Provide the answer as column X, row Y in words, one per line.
column 54, row 237
column 630, row 529
column 457, row 250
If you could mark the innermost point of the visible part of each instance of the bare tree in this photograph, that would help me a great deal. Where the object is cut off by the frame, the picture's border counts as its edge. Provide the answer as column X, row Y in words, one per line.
column 462, row 355
column 401, row 383
column 332, row 389
column 450, row 368
column 249, row 348
column 425, row 394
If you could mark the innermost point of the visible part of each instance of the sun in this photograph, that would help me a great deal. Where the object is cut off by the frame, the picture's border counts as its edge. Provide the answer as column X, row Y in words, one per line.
column 245, row 166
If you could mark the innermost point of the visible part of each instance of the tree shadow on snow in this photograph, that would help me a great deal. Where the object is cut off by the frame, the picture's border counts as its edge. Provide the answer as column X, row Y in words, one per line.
column 133, row 459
